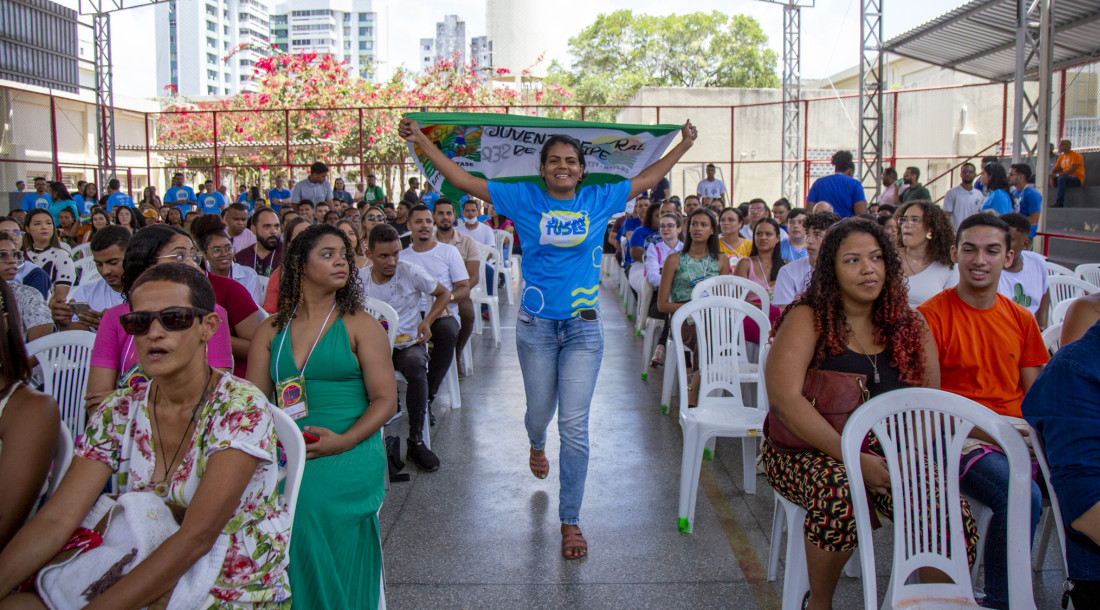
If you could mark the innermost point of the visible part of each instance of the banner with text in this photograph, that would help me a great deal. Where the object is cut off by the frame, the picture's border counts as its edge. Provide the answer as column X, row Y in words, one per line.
column 506, row 147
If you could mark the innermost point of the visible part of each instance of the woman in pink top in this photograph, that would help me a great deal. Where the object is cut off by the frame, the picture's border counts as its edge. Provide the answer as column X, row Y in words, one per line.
column 762, row 266
column 114, row 362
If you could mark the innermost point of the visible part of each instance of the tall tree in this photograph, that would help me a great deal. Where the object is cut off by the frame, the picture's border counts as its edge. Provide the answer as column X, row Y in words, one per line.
column 622, row 52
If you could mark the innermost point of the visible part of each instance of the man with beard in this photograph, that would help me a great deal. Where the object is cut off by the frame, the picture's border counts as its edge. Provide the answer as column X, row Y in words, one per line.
column 963, row 201
column 266, row 254
column 444, row 216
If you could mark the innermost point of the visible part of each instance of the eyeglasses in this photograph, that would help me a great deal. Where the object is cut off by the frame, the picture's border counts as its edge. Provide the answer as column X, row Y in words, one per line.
column 180, row 257
column 218, row 250
column 172, row 319
column 376, row 218
column 668, row 226
column 14, row 255
column 910, row 220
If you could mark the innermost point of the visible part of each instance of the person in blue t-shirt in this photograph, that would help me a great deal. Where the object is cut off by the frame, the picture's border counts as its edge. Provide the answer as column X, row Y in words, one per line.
column 839, row 190
column 211, row 201
column 429, row 196
column 60, row 200
column 183, row 197
column 116, row 197
column 278, row 196
column 1026, row 199
column 997, row 197
column 39, row 199
column 559, row 334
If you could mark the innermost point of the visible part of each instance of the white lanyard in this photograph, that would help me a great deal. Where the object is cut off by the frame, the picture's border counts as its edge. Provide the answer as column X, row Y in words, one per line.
column 315, row 341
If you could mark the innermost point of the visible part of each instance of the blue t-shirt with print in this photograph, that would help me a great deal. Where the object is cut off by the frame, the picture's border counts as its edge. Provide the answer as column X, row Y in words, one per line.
column 180, row 196
column 211, row 203
column 56, row 207
column 34, row 201
column 119, row 199
column 839, row 190
column 998, row 202
column 790, row 253
column 429, row 200
column 562, row 243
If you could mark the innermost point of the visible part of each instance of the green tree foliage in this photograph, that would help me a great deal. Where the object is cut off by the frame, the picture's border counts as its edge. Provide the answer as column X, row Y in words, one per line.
column 622, row 52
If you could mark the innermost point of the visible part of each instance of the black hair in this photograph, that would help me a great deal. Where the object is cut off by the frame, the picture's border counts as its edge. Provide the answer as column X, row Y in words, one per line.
column 821, row 221
column 382, row 233
column 795, row 213
column 113, row 183
column 570, row 141
column 998, row 178
column 420, row 207
column 686, row 197
column 137, row 221
column 1022, row 168
column 13, row 359
column 887, row 208
column 842, row 161
column 110, row 235
column 783, row 202
column 318, row 168
column 1017, row 221
column 777, row 252
column 61, row 191
column 740, row 215
column 236, row 206
column 349, row 297
column 142, row 251
column 304, row 202
column 892, row 171
column 990, row 159
column 330, row 214
column 915, row 171
column 650, row 212
column 206, row 227
column 712, row 241
column 198, row 285
column 444, row 201
column 985, row 220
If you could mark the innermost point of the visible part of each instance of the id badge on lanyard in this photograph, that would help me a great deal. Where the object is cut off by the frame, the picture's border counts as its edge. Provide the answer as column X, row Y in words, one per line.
column 290, row 392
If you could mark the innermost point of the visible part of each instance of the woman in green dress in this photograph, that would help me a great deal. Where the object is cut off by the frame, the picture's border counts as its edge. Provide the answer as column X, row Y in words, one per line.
column 328, row 363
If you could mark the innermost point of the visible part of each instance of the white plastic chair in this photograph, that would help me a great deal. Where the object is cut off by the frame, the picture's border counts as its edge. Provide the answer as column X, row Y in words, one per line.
column 479, row 294
column 648, row 326
column 1090, row 272
column 918, row 427
column 718, row 322
column 86, row 271
column 62, row 457
column 1055, row 270
column 503, row 242
column 641, row 315
column 1053, row 513
column 625, row 291
column 83, row 251
column 1058, row 313
column 1052, row 338
column 1066, row 288
column 383, row 312
column 294, row 448
column 64, row 358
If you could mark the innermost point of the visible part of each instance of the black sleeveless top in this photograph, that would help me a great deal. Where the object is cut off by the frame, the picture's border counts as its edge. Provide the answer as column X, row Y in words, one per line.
column 849, row 361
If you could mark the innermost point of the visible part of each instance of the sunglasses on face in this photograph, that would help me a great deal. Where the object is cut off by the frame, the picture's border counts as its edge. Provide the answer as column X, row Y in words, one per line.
column 376, row 218
column 181, row 257
column 14, row 255
column 172, row 319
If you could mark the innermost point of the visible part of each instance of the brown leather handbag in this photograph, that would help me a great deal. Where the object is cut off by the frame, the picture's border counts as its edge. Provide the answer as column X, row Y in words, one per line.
column 834, row 394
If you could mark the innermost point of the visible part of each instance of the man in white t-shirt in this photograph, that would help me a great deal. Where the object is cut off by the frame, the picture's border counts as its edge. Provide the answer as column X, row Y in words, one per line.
column 711, row 186
column 963, row 200
column 402, row 285
column 1025, row 281
column 108, row 248
column 444, row 216
column 445, row 264
column 795, row 276
column 481, row 232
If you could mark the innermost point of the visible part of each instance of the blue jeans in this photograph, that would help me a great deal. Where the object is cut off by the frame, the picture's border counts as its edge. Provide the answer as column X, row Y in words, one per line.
column 987, row 482
column 1065, row 182
column 560, row 360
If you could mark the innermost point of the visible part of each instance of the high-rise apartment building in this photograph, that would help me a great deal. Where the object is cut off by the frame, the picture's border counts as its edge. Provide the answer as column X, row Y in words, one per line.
column 208, row 47
column 352, row 30
column 450, row 39
column 479, row 56
column 427, row 53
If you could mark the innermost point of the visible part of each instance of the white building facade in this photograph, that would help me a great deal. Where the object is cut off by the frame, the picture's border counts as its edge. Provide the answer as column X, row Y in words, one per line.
column 352, row 30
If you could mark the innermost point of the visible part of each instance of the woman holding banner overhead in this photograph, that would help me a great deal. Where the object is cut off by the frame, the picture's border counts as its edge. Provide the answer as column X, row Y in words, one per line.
column 559, row 333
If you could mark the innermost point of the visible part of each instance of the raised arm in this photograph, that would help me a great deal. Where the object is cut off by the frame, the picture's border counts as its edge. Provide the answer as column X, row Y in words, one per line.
column 650, row 176
column 460, row 178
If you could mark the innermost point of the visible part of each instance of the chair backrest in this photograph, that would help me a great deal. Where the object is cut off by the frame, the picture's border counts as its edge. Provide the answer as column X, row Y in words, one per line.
column 503, row 241
column 86, row 271
column 386, row 315
column 487, row 255
column 1054, row 270
column 64, row 359
column 645, row 297
column 1090, row 272
column 1052, row 338
column 82, row 251
column 62, row 457
column 731, row 286
column 761, row 387
column 1039, row 448
column 1057, row 313
column 294, row 447
column 719, row 326
column 1064, row 288
column 922, row 433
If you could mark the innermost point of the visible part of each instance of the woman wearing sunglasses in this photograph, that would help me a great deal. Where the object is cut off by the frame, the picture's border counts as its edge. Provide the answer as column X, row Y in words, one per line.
column 373, row 216
column 328, row 363
column 199, row 439
column 34, row 314
column 114, row 362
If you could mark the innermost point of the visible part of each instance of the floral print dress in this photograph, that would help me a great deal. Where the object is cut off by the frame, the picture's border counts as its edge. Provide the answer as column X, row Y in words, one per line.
column 235, row 416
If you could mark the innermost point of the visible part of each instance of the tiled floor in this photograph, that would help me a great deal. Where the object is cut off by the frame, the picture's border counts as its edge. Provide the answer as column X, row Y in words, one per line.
column 482, row 532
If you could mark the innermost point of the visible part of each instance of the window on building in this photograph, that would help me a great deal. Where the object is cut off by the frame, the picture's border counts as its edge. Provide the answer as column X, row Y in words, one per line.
column 363, row 45
column 280, row 33
column 211, row 10
column 211, row 59
column 280, row 18
column 363, row 17
column 211, row 75
column 210, row 42
column 282, row 47
column 211, row 26
column 225, row 30
column 211, row 90
column 366, row 31
column 226, row 77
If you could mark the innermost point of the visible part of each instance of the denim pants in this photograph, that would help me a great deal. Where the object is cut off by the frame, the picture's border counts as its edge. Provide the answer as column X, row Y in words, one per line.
column 1063, row 183
column 987, row 482
column 560, row 360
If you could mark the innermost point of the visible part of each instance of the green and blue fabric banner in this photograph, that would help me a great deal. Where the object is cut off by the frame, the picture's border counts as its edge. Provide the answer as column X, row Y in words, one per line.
column 505, row 147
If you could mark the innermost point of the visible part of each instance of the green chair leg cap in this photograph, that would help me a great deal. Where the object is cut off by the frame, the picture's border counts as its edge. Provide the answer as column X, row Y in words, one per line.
column 629, row 316
column 637, row 333
column 664, row 409
column 684, row 525
column 644, row 375
column 708, row 454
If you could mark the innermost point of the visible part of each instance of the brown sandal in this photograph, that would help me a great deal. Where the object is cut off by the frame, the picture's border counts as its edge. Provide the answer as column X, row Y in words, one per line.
column 573, row 540
column 540, row 466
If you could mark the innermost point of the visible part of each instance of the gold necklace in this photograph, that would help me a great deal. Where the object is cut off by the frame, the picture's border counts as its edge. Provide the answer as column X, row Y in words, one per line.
column 161, row 488
column 874, row 362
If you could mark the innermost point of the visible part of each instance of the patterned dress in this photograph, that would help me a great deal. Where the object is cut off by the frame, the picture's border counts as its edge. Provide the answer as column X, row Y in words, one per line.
column 235, row 416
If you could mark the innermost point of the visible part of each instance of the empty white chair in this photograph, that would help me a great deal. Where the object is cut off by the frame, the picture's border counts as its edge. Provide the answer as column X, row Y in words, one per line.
column 64, row 358
column 645, row 296
column 479, row 294
column 1058, row 312
column 718, row 322
column 1052, row 338
column 1066, row 288
column 503, row 242
column 649, row 327
column 1055, row 270
column 294, row 448
column 1090, row 272
column 917, row 427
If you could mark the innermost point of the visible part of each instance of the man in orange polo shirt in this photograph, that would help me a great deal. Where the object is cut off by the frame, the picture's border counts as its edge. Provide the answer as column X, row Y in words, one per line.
column 1068, row 172
column 990, row 351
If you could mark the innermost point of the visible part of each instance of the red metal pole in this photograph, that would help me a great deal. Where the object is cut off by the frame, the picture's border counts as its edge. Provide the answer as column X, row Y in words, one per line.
column 658, row 114
column 129, row 183
column 289, row 169
column 1061, row 108
column 582, row 112
column 148, row 157
column 53, row 140
column 217, row 172
column 806, row 146
column 894, row 137
column 362, row 166
column 1004, row 118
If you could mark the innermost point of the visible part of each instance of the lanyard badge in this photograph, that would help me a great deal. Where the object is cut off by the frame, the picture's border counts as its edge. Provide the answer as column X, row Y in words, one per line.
column 291, row 394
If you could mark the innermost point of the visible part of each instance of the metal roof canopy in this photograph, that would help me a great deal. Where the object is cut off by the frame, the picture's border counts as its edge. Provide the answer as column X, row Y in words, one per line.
column 979, row 38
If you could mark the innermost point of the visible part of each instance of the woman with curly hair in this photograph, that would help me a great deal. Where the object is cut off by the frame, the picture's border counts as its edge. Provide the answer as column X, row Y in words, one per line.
column 328, row 363
column 853, row 318
column 926, row 240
